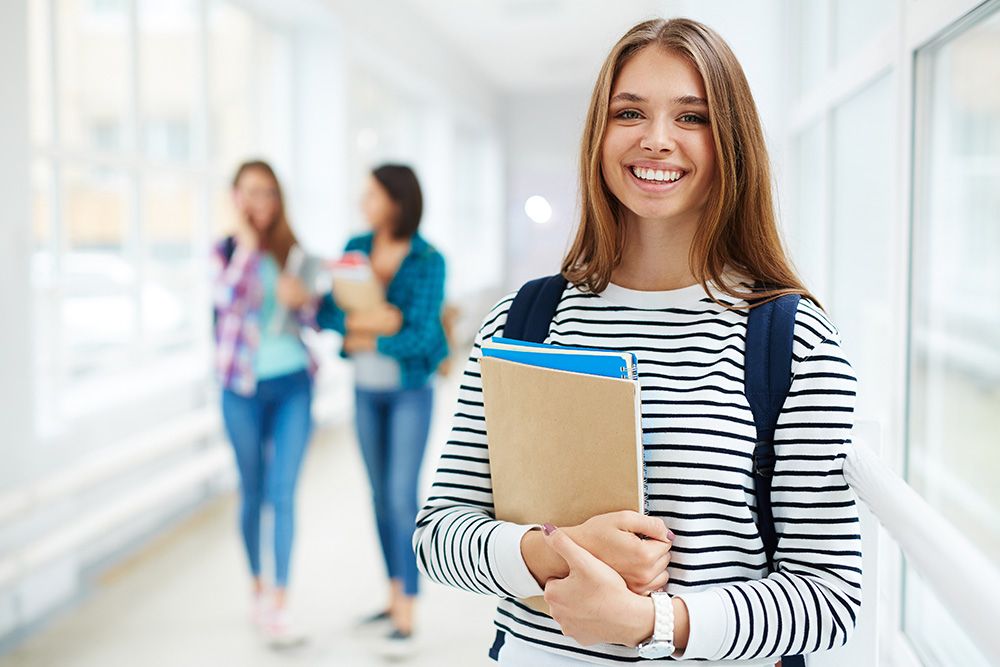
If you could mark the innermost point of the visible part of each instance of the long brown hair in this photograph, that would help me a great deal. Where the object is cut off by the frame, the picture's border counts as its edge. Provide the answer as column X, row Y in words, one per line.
column 278, row 238
column 739, row 229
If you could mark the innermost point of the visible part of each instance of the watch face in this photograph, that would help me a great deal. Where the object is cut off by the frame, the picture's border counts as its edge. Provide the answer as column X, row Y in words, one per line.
column 654, row 650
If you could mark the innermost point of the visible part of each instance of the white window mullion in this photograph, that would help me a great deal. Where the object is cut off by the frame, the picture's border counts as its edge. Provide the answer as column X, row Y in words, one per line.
column 203, row 136
column 134, row 246
column 58, row 244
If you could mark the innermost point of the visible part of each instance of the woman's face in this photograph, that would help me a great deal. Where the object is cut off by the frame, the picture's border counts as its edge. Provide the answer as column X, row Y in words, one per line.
column 376, row 204
column 256, row 198
column 658, row 156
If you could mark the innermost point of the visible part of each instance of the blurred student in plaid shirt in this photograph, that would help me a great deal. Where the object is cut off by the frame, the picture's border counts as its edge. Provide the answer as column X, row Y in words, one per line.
column 396, row 349
column 266, row 375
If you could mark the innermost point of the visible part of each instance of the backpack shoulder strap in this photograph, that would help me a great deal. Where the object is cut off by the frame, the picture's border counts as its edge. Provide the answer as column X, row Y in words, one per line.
column 767, row 379
column 228, row 248
column 533, row 308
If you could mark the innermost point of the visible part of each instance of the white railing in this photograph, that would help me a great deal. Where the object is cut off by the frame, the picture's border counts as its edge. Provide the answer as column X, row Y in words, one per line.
column 966, row 582
column 204, row 464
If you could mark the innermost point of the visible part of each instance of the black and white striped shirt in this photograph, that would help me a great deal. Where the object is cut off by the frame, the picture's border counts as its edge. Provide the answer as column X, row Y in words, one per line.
column 698, row 436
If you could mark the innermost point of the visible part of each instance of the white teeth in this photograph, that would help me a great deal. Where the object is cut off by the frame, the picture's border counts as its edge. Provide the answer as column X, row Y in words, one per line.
column 656, row 174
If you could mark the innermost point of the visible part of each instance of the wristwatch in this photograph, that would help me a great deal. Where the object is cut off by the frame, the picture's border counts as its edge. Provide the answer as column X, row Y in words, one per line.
column 661, row 644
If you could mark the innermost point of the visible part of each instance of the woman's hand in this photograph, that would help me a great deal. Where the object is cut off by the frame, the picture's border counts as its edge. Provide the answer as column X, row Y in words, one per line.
column 355, row 342
column 592, row 604
column 613, row 538
column 291, row 292
column 383, row 320
column 247, row 238
column 617, row 540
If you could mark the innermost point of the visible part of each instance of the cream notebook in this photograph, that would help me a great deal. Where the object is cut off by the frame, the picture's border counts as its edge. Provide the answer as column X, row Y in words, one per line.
column 563, row 446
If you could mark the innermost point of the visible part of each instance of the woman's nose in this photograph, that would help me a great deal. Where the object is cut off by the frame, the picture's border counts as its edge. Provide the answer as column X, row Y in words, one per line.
column 658, row 137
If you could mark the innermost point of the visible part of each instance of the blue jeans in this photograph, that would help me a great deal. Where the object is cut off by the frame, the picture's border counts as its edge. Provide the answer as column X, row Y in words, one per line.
column 392, row 429
column 269, row 432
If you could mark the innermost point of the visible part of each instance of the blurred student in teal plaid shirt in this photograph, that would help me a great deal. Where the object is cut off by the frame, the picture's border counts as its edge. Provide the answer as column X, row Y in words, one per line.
column 395, row 350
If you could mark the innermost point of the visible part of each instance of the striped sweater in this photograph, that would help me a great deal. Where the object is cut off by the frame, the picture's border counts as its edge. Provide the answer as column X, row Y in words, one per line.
column 698, row 437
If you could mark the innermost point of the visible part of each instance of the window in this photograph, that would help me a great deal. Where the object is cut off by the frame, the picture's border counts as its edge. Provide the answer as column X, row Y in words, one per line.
column 131, row 152
column 954, row 385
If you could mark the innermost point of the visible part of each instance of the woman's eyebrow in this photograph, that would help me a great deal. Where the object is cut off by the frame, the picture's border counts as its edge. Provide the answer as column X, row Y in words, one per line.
column 688, row 100
column 684, row 100
column 628, row 97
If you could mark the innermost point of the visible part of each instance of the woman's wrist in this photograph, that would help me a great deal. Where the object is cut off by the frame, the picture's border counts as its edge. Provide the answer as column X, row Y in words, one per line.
column 682, row 628
column 542, row 562
column 642, row 620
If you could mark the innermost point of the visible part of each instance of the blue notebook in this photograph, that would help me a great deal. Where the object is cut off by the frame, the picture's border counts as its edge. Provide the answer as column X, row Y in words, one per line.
column 588, row 361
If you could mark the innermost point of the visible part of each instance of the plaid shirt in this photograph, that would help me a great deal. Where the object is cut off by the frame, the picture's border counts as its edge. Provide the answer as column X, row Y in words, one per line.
column 417, row 290
column 237, row 295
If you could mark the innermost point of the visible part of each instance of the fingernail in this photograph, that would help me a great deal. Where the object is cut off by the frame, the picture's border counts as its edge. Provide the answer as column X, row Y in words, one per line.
column 670, row 535
column 548, row 528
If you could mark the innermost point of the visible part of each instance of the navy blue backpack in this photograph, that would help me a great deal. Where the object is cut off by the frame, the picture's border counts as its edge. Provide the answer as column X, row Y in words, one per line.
column 767, row 379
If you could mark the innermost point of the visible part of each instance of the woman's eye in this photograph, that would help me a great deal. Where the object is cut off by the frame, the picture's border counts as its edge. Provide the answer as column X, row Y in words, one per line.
column 692, row 118
column 628, row 114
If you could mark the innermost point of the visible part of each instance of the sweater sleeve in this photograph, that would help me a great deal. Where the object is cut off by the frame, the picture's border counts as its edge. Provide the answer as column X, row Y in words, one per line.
column 231, row 279
column 811, row 601
column 458, row 541
column 330, row 316
column 421, row 315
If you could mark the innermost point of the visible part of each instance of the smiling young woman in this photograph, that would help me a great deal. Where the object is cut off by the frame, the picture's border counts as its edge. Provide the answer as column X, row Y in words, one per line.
column 677, row 242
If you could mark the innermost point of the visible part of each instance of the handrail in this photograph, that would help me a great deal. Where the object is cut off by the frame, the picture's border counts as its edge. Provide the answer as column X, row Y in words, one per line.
column 110, row 462
column 184, row 433
column 133, row 452
column 966, row 581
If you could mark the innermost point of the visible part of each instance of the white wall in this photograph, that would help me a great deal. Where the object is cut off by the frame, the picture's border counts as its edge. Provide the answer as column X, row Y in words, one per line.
column 543, row 143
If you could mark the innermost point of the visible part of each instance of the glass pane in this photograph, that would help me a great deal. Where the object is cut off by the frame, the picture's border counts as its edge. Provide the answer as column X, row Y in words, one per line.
column 274, row 97
column 39, row 71
column 97, row 313
column 168, row 53
column 169, row 217
column 954, row 443
column 96, row 216
column 223, row 213
column 93, row 73
column 857, row 23
column 862, row 206
column 232, row 73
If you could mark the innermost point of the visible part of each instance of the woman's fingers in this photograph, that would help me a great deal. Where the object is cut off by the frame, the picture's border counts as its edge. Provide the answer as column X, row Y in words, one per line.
column 657, row 584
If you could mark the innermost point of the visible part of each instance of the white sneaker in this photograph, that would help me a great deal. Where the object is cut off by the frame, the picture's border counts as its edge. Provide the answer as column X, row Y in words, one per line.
column 260, row 609
column 397, row 645
column 280, row 632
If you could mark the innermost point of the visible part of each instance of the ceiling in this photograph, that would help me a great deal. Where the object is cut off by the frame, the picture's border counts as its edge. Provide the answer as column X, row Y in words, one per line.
column 537, row 45
column 532, row 45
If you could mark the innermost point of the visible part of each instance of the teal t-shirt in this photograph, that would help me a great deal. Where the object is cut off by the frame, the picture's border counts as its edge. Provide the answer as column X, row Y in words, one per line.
column 278, row 353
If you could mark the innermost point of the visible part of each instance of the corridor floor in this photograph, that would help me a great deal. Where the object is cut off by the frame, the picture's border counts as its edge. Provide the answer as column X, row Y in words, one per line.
column 183, row 598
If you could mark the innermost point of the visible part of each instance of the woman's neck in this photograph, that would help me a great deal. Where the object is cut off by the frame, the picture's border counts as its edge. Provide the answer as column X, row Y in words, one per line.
column 384, row 237
column 656, row 256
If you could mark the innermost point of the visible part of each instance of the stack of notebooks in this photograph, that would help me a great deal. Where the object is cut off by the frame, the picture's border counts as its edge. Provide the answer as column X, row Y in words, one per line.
column 564, row 429
column 355, row 287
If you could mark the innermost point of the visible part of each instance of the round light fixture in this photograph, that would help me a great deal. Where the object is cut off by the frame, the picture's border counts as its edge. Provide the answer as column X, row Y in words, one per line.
column 538, row 209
